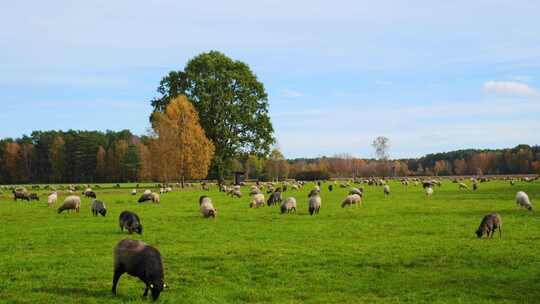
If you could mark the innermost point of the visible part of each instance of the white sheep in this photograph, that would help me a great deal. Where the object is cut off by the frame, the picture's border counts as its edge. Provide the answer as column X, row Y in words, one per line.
column 352, row 199
column 289, row 205
column 207, row 208
column 134, row 192
column 315, row 202
column 429, row 192
column 386, row 189
column 156, row 198
column 463, row 186
column 52, row 199
column 72, row 202
column 257, row 201
column 522, row 199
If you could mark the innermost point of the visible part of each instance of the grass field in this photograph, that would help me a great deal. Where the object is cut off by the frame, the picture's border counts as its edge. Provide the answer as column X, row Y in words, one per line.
column 400, row 249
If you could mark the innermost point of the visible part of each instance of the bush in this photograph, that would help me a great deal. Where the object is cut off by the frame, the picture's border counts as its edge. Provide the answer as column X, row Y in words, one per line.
column 312, row 175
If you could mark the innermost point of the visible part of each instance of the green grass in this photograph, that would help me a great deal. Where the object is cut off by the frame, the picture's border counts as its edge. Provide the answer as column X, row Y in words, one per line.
column 400, row 249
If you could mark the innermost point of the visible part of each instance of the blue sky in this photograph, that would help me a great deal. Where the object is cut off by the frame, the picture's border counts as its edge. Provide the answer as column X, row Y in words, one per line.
column 430, row 75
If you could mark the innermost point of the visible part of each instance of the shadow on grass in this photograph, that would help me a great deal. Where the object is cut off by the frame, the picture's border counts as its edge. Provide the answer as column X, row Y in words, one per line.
column 69, row 291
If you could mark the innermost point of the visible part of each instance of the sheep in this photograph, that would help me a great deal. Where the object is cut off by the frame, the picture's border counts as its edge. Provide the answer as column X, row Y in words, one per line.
column 275, row 198
column 352, row 199
column 134, row 192
column 130, row 221
column 356, row 191
column 295, row 187
column 489, row 224
column 90, row 194
column 463, row 186
column 522, row 199
column 386, row 189
column 147, row 192
column 52, row 199
column 257, row 201
column 429, row 192
column 72, row 202
column 156, row 198
column 99, row 207
column 254, row 190
column 207, row 208
column 314, row 202
column 21, row 194
column 142, row 261
column 289, row 205
column 146, row 197
column 475, row 186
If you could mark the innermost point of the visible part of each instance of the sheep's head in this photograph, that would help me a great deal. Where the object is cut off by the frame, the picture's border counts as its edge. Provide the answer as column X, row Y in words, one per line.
column 156, row 288
column 104, row 212
column 479, row 232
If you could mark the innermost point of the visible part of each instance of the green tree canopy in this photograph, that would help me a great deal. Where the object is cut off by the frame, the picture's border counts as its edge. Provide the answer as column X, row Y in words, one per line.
column 232, row 105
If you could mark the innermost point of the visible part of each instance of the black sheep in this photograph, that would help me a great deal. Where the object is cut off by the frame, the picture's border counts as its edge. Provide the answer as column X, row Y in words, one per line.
column 145, row 198
column 275, row 198
column 90, row 194
column 489, row 224
column 142, row 261
column 130, row 221
column 98, row 207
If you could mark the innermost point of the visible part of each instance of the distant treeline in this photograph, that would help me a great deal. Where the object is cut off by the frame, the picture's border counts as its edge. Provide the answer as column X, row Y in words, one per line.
column 72, row 156
column 522, row 159
column 92, row 156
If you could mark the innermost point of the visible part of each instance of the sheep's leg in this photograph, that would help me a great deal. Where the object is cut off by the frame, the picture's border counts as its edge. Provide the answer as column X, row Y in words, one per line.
column 146, row 291
column 117, row 273
column 500, row 232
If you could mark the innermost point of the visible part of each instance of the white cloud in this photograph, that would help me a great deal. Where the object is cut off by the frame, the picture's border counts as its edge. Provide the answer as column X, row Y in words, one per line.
column 509, row 88
column 292, row 93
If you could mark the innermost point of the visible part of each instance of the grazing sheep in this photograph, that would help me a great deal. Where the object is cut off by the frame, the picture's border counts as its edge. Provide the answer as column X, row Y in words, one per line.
column 295, row 187
column 134, row 192
column 156, row 198
column 257, row 201
column 52, row 199
column 522, row 199
column 21, row 194
column 429, row 192
column 386, row 189
column 142, row 261
column 207, row 208
column 356, row 191
column 72, row 202
column 254, row 190
column 130, row 221
column 289, row 205
column 475, row 186
column 512, row 182
column 99, row 207
column 315, row 202
column 275, row 198
column 146, row 197
column 489, row 224
column 352, row 199
column 463, row 186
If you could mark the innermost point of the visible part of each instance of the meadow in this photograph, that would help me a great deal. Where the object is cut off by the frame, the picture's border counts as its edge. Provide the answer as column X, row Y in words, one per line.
column 404, row 248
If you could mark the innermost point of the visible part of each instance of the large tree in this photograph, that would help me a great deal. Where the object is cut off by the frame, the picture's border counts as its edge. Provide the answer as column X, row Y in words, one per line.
column 232, row 105
column 181, row 144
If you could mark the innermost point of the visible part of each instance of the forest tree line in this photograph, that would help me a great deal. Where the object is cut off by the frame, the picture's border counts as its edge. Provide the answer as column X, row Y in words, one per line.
column 93, row 156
